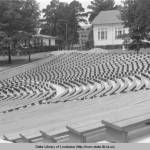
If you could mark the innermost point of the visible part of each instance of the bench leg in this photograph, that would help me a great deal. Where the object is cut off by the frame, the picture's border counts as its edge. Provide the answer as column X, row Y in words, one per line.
column 47, row 138
column 74, row 138
column 116, row 136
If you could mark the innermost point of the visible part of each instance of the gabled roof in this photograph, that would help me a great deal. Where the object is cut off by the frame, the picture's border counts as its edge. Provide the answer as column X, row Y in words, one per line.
column 107, row 17
column 44, row 36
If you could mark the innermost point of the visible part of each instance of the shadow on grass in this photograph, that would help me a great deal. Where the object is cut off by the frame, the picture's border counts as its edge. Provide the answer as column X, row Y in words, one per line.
column 21, row 60
column 16, row 61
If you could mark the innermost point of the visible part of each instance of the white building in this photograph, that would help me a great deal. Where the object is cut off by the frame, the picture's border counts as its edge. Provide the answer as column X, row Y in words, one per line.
column 108, row 29
column 44, row 40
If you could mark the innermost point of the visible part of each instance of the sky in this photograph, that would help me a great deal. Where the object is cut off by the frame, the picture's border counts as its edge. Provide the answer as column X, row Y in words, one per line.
column 85, row 3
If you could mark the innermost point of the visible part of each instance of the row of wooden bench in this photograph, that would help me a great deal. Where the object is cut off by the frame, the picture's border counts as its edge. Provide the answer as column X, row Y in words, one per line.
column 113, row 126
column 98, row 89
column 96, row 76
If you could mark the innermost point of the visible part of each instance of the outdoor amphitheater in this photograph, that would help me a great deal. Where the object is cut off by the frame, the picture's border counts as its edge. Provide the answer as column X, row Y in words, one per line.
column 77, row 97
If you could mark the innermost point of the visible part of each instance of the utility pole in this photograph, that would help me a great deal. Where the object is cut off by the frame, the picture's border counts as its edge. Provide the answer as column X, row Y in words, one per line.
column 66, row 36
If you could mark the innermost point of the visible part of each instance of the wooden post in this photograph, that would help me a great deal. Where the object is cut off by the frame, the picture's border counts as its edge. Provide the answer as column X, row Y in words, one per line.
column 116, row 136
column 9, row 53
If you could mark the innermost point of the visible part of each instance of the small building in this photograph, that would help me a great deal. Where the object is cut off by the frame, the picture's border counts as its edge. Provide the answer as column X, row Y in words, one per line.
column 43, row 40
column 108, row 30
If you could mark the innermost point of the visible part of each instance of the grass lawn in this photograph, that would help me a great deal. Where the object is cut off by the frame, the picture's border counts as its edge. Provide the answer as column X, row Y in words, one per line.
column 20, row 60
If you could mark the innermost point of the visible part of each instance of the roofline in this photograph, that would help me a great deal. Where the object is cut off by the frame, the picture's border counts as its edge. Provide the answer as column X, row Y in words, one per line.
column 44, row 36
column 109, row 23
column 105, row 23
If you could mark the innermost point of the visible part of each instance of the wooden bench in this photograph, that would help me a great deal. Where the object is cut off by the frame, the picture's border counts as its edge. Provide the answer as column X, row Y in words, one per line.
column 116, row 87
column 93, row 130
column 55, row 136
column 138, row 78
column 90, row 131
column 146, row 79
column 14, row 138
column 29, row 136
column 119, row 132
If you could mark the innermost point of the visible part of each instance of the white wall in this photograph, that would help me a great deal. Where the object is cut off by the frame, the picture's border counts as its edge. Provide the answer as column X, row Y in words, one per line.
column 46, row 42
column 52, row 42
column 110, row 35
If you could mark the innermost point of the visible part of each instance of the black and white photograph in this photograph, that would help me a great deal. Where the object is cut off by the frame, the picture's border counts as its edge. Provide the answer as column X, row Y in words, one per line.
column 75, row 71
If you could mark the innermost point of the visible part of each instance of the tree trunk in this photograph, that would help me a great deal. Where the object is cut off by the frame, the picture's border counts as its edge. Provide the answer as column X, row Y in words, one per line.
column 29, row 57
column 9, row 54
column 29, row 48
column 138, row 49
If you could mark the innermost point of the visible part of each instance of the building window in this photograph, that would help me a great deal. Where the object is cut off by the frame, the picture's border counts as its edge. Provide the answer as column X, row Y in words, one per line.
column 119, row 32
column 102, row 34
column 99, row 35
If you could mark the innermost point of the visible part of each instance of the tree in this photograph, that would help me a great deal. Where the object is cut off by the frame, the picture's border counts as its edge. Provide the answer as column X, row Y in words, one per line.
column 9, row 18
column 22, row 41
column 77, row 15
column 51, row 16
column 62, row 20
column 16, row 16
column 136, row 16
column 90, row 43
column 5, row 43
column 100, row 5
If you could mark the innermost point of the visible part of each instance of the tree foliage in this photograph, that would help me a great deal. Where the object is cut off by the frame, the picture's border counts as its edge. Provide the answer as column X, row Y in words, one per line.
column 16, row 16
column 63, row 20
column 97, row 6
column 136, row 16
